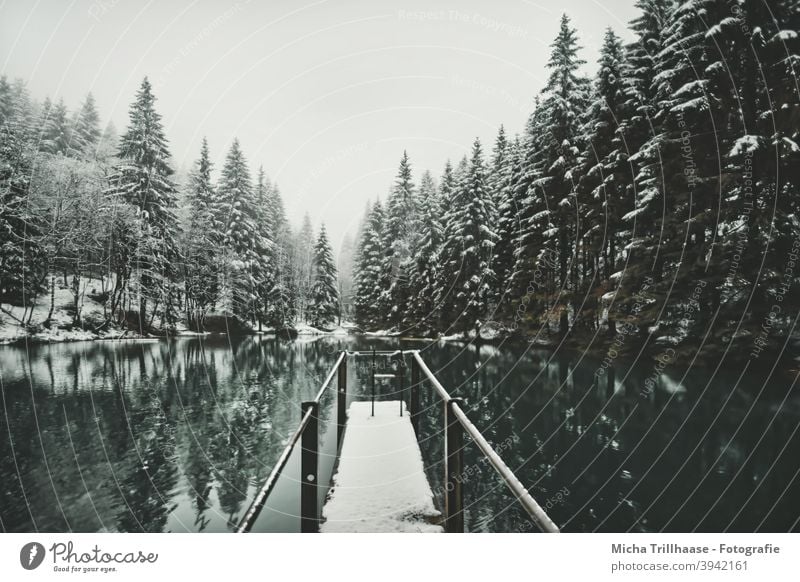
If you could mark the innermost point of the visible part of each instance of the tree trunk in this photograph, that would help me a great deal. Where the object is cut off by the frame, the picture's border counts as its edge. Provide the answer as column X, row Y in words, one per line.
column 153, row 316
column 52, row 300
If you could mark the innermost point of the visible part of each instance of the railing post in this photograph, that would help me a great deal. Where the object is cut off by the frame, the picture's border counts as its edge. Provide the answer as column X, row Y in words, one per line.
column 309, row 454
column 453, row 469
column 373, row 382
column 400, row 380
column 341, row 398
column 413, row 400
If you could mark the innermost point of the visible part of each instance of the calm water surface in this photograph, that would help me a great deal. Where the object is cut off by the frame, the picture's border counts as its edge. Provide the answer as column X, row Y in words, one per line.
column 178, row 435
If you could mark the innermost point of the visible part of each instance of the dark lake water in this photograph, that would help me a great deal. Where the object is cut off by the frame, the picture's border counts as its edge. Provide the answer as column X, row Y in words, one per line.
column 178, row 435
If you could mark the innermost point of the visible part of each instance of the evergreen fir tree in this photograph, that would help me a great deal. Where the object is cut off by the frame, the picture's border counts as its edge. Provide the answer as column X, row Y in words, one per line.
column 420, row 312
column 6, row 101
column 508, row 226
column 21, row 265
column 142, row 178
column 108, row 144
column 23, row 115
column 324, row 307
column 282, row 300
column 304, row 259
column 499, row 166
column 201, row 243
column 604, row 178
column 369, row 269
column 449, row 259
column 549, row 223
column 447, row 187
column 85, row 131
column 242, row 240
column 55, row 130
column 399, row 233
column 469, row 247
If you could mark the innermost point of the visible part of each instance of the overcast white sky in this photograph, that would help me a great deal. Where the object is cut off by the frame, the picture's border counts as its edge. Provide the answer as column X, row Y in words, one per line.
column 325, row 94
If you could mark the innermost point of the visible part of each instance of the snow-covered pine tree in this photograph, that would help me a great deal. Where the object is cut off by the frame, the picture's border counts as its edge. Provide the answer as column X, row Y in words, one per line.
column 368, row 270
column 108, row 145
column 508, row 226
column 324, row 308
column 532, row 275
column 263, row 269
column 85, row 130
column 498, row 170
column 447, row 187
column 552, row 147
column 753, row 50
column 45, row 111
column 468, row 247
column 201, row 241
column 345, row 263
column 604, row 176
column 242, row 239
column 282, row 304
column 303, row 262
column 638, row 123
column 55, row 129
column 449, row 259
column 640, row 66
column 24, row 115
column 678, row 183
column 399, row 234
column 423, row 276
column 20, row 256
column 142, row 179
column 6, row 101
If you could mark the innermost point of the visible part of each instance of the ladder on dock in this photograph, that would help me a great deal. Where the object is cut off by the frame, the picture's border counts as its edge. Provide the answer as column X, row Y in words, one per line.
column 380, row 484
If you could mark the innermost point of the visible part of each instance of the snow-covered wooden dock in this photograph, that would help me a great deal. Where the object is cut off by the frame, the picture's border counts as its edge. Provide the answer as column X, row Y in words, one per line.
column 380, row 484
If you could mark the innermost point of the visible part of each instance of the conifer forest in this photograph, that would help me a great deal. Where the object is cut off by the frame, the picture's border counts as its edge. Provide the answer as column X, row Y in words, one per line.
column 655, row 199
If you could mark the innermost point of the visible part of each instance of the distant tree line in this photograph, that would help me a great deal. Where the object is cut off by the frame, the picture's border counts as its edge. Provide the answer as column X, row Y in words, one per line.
column 659, row 199
column 102, row 215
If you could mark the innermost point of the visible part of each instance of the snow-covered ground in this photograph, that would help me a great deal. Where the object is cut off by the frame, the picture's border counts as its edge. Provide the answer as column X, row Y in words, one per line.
column 61, row 328
column 61, row 324
column 380, row 485
column 304, row 329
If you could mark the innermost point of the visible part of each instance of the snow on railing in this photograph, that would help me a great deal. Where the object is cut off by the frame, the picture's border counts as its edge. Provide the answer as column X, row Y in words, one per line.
column 308, row 431
column 454, row 444
column 456, row 425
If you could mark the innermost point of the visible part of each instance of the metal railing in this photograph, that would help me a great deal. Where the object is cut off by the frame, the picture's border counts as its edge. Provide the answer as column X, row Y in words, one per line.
column 456, row 425
column 307, row 433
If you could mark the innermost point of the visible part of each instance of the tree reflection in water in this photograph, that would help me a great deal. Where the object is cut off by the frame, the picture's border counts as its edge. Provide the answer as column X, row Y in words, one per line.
column 178, row 435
